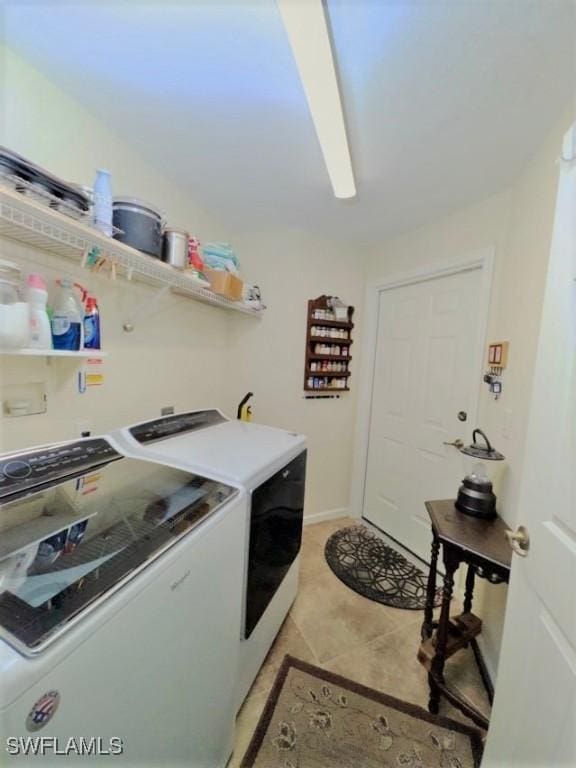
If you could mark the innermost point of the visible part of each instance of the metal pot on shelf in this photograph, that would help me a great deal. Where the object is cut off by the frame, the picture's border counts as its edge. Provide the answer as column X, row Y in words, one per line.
column 175, row 247
column 139, row 225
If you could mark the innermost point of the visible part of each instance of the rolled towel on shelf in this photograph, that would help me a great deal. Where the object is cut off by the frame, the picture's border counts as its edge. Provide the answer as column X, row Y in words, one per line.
column 223, row 255
column 217, row 262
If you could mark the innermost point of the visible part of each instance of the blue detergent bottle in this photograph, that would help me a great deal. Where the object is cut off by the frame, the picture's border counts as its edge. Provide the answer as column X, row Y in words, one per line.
column 91, row 324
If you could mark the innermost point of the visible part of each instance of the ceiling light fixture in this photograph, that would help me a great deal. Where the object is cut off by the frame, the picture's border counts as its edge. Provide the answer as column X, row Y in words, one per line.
column 307, row 30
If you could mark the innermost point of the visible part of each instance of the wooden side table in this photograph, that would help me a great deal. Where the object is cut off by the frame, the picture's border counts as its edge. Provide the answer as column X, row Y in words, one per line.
column 482, row 546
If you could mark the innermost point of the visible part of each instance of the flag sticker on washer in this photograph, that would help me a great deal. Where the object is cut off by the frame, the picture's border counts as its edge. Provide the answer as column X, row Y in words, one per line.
column 43, row 711
column 88, row 483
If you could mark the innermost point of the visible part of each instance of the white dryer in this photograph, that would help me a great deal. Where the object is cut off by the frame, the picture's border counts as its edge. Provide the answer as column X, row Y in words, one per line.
column 120, row 593
column 270, row 465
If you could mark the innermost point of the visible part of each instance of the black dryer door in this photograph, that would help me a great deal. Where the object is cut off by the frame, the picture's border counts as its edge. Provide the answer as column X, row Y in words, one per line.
column 275, row 536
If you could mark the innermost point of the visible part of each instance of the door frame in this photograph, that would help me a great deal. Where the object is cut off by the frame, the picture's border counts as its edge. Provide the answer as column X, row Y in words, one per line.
column 482, row 259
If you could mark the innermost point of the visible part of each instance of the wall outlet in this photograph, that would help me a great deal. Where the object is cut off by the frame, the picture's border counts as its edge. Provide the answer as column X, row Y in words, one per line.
column 167, row 410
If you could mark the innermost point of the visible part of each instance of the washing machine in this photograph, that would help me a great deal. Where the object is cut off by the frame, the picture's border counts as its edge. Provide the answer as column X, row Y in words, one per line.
column 120, row 607
column 269, row 464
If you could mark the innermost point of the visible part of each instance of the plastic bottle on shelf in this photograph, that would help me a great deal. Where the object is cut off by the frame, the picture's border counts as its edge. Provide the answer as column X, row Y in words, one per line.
column 91, row 324
column 14, row 310
column 103, row 202
column 37, row 298
column 67, row 318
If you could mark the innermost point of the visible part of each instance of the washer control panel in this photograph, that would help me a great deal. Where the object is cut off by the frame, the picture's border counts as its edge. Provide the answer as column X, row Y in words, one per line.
column 26, row 470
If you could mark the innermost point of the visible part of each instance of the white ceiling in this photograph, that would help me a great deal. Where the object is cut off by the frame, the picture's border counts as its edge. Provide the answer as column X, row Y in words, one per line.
column 445, row 100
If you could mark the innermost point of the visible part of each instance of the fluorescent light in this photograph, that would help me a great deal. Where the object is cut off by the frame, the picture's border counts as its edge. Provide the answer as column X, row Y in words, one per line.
column 307, row 30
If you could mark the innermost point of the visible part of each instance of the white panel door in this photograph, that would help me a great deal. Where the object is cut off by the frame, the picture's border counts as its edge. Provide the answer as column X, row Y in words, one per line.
column 426, row 372
column 534, row 717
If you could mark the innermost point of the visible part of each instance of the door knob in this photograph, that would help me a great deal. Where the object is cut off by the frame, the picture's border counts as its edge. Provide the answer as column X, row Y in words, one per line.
column 519, row 540
column 456, row 443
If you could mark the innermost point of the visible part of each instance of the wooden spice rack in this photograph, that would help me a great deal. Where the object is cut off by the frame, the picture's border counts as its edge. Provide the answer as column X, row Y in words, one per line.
column 328, row 348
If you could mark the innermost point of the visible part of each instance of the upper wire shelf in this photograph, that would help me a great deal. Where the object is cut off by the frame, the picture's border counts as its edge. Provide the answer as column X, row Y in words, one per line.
column 29, row 217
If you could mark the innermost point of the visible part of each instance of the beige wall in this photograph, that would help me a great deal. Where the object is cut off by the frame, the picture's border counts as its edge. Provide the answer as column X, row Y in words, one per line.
column 518, row 223
column 181, row 353
column 159, row 363
column 269, row 357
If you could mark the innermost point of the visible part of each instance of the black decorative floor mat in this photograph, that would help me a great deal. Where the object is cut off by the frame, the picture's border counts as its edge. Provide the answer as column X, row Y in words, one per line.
column 370, row 567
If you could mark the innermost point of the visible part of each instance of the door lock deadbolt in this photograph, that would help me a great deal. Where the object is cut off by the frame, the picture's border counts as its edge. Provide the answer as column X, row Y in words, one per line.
column 462, row 415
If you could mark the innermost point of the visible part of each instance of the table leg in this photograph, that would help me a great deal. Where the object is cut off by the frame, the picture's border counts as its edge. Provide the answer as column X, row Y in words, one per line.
column 427, row 628
column 469, row 590
column 437, row 671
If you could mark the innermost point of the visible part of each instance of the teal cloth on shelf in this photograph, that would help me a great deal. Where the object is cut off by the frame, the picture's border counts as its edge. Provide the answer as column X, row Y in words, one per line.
column 220, row 256
column 216, row 262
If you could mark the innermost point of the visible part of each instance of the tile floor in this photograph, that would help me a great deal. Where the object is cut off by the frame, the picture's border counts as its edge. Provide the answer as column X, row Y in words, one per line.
column 331, row 626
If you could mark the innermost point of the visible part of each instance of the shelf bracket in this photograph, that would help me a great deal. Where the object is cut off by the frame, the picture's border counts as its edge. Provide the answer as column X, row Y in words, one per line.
column 145, row 309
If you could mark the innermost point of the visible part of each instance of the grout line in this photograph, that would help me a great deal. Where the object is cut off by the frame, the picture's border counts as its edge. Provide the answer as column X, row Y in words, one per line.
column 306, row 643
column 303, row 636
column 367, row 643
column 363, row 643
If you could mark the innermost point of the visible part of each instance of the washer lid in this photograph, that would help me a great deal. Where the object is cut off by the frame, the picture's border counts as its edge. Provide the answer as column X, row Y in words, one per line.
column 237, row 451
column 73, row 532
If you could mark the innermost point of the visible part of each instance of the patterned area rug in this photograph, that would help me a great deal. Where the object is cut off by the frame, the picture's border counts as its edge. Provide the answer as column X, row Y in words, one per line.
column 373, row 569
column 315, row 719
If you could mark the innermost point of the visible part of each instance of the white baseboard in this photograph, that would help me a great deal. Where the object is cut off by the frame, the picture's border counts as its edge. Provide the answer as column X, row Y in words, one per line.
column 329, row 514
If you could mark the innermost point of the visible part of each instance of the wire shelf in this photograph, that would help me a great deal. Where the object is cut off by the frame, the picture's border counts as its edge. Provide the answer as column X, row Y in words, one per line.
column 41, row 195
column 27, row 221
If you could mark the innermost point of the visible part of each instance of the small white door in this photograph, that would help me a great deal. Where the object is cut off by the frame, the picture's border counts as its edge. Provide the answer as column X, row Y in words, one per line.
column 534, row 715
column 426, row 372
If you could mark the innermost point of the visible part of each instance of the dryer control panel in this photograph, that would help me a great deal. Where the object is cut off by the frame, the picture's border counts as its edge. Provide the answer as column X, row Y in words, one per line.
column 172, row 426
column 26, row 470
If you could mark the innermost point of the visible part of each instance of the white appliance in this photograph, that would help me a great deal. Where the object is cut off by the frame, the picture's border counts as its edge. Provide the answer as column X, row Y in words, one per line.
column 270, row 465
column 120, row 595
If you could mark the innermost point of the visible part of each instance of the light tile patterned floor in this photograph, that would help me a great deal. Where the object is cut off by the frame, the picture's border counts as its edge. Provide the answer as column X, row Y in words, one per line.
column 331, row 626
